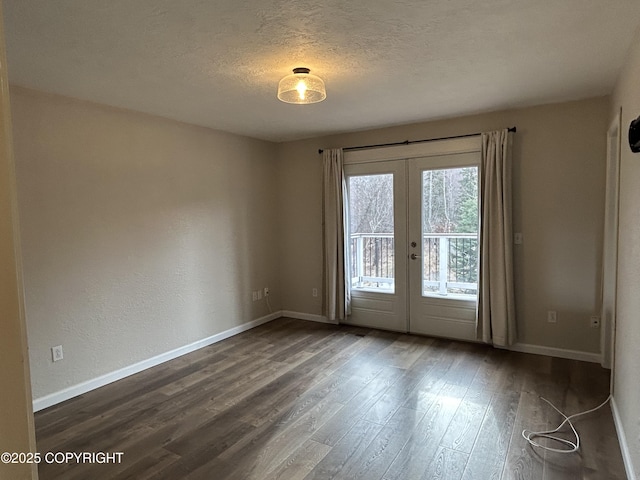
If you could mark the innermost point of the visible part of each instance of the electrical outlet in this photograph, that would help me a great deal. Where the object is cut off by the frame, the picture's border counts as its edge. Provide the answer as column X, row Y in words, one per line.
column 517, row 238
column 552, row 316
column 595, row 322
column 254, row 295
column 266, row 291
column 56, row 353
column 314, row 292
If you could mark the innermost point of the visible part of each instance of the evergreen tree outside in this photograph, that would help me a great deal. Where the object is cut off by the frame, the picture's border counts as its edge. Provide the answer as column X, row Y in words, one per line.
column 450, row 205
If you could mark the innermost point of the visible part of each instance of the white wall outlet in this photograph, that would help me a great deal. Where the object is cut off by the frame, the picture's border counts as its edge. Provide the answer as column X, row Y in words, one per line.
column 254, row 295
column 595, row 321
column 266, row 291
column 314, row 292
column 56, row 353
column 517, row 238
column 552, row 316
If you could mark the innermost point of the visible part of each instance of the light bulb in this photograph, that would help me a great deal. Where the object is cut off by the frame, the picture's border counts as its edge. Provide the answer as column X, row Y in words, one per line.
column 301, row 88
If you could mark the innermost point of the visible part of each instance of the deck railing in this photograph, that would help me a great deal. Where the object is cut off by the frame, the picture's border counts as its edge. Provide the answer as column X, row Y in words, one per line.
column 453, row 273
column 372, row 260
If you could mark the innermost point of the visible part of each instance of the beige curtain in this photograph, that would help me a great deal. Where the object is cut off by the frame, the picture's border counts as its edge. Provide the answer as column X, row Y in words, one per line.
column 337, row 297
column 496, row 309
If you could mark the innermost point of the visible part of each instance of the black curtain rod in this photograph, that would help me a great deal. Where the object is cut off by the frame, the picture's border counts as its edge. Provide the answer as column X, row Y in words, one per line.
column 409, row 142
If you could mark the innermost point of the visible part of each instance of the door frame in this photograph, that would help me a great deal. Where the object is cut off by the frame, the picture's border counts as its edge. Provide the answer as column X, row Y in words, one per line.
column 472, row 144
column 610, row 246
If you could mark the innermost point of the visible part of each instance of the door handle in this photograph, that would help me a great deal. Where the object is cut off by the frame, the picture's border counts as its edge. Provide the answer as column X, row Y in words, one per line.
column 414, row 256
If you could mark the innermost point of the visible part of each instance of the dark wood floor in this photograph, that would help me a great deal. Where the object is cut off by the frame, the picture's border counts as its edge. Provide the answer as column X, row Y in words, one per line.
column 301, row 400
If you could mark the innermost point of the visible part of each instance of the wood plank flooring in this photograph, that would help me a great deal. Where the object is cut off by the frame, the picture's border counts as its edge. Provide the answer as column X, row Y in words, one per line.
column 301, row 400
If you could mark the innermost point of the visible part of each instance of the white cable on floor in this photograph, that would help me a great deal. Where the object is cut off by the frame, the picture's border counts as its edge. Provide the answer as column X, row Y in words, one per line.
column 574, row 446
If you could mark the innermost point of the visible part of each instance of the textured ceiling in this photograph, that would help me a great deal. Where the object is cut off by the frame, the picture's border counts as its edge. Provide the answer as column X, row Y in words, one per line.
column 217, row 63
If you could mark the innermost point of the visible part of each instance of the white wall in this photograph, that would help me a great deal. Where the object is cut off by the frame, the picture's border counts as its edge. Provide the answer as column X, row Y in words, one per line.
column 140, row 235
column 627, row 350
column 559, row 179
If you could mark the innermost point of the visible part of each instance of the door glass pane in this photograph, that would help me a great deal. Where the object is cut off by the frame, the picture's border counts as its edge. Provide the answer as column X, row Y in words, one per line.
column 450, row 232
column 371, row 252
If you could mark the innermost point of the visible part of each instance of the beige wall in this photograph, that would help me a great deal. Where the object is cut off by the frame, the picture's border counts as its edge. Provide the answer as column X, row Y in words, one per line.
column 559, row 171
column 16, row 414
column 140, row 235
column 627, row 351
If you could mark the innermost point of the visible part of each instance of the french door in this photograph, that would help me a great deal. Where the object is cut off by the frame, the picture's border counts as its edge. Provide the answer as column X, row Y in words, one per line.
column 413, row 244
column 443, row 264
column 377, row 244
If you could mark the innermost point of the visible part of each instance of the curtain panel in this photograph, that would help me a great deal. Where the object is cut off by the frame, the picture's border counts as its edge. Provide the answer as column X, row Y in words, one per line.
column 337, row 296
column 496, row 305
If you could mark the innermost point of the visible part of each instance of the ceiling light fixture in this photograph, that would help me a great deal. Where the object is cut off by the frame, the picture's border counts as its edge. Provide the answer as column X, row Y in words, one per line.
column 301, row 87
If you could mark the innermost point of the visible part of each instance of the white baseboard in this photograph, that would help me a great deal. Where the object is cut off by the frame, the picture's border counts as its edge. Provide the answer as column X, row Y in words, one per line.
column 84, row 387
column 307, row 316
column 556, row 352
column 622, row 440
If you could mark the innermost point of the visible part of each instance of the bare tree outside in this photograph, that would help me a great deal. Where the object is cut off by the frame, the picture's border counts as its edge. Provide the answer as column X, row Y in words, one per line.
column 371, row 203
column 372, row 231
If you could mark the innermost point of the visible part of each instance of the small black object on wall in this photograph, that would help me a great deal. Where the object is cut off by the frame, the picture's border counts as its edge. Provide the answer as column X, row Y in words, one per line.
column 634, row 135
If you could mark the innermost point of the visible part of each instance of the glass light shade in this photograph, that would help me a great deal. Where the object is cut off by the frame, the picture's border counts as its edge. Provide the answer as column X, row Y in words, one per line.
column 301, row 87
